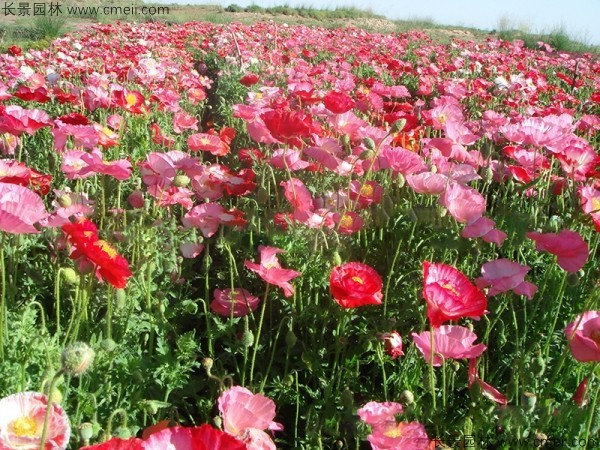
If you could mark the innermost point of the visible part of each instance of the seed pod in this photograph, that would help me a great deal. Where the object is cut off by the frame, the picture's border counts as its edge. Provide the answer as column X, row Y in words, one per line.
column 85, row 431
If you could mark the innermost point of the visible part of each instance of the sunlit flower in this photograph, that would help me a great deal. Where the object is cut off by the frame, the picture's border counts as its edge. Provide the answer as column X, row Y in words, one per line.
column 355, row 284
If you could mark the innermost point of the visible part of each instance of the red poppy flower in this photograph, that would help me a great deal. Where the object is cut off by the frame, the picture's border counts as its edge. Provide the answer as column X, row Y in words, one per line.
column 15, row 50
column 249, row 80
column 110, row 265
column 355, row 284
column 287, row 126
column 338, row 102
column 450, row 295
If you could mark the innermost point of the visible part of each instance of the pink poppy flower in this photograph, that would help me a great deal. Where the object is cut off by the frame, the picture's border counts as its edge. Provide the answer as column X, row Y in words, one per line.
column 298, row 195
column 365, row 194
column 204, row 437
column 450, row 295
column 503, row 275
column 427, row 182
column 245, row 415
column 584, row 336
column 590, row 204
column 271, row 271
column 463, row 203
column 392, row 343
column 190, row 249
column 20, row 209
column 8, row 143
column 571, row 250
column 205, row 142
column 183, row 121
column 16, row 120
column 401, row 435
column 289, row 159
column 208, row 217
column 484, row 228
column 487, row 390
column 348, row 223
column 22, row 420
column 238, row 302
column 449, row 342
column 77, row 164
column 377, row 413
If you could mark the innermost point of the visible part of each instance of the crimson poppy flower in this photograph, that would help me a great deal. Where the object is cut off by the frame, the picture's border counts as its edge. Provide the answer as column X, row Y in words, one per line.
column 450, row 295
column 249, row 80
column 355, row 284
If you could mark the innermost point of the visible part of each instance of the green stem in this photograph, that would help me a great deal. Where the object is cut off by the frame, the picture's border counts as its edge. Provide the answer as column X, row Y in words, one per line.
column 258, row 332
column 593, row 412
column 431, row 375
column 48, row 409
column 2, row 296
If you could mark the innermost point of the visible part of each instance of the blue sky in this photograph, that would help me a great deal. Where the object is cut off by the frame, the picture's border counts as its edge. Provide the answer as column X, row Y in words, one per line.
column 580, row 18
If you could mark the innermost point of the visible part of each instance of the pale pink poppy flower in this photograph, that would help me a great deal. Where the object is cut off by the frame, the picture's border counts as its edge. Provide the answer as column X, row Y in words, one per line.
column 238, row 302
column 445, row 112
column 158, row 169
column 95, row 97
column 183, row 121
column 243, row 412
column 378, row 413
column 503, row 275
column 427, row 183
column 289, row 159
column 577, row 159
column 584, row 336
column 401, row 435
column 484, row 228
column 571, row 250
column 115, row 121
column 449, row 342
column 22, row 420
column 190, row 249
column 398, row 91
column 76, row 205
column 77, row 164
column 463, row 203
column 271, row 271
column 20, row 209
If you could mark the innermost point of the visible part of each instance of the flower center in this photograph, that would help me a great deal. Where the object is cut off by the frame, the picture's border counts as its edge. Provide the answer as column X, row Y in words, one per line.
column 366, row 190
column 24, row 426
column 346, row 221
column 450, row 288
column 358, row 279
column 107, row 248
column 130, row 99
column 595, row 204
column 394, row 432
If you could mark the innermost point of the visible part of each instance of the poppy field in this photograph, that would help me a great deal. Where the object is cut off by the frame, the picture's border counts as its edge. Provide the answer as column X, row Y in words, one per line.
column 269, row 236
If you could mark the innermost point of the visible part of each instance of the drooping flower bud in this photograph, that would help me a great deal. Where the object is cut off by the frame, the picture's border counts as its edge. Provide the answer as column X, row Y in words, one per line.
column 76, row 358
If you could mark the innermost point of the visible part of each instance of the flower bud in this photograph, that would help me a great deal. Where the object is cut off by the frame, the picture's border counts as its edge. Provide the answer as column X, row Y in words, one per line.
column 346, row 140
column 347, row 398
column 70, row 276
column 207, row 364
column 181, row 181
column 407, row 398
column 108, row 345
column 528, row 400
column 76, row 358
column 248, row 339
column 369, row 143
column 65, row 200
column 398, row 125
column 122, row 433
column 136, row 199
column 218, row 422
column 290, row 339
column 337, row 259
